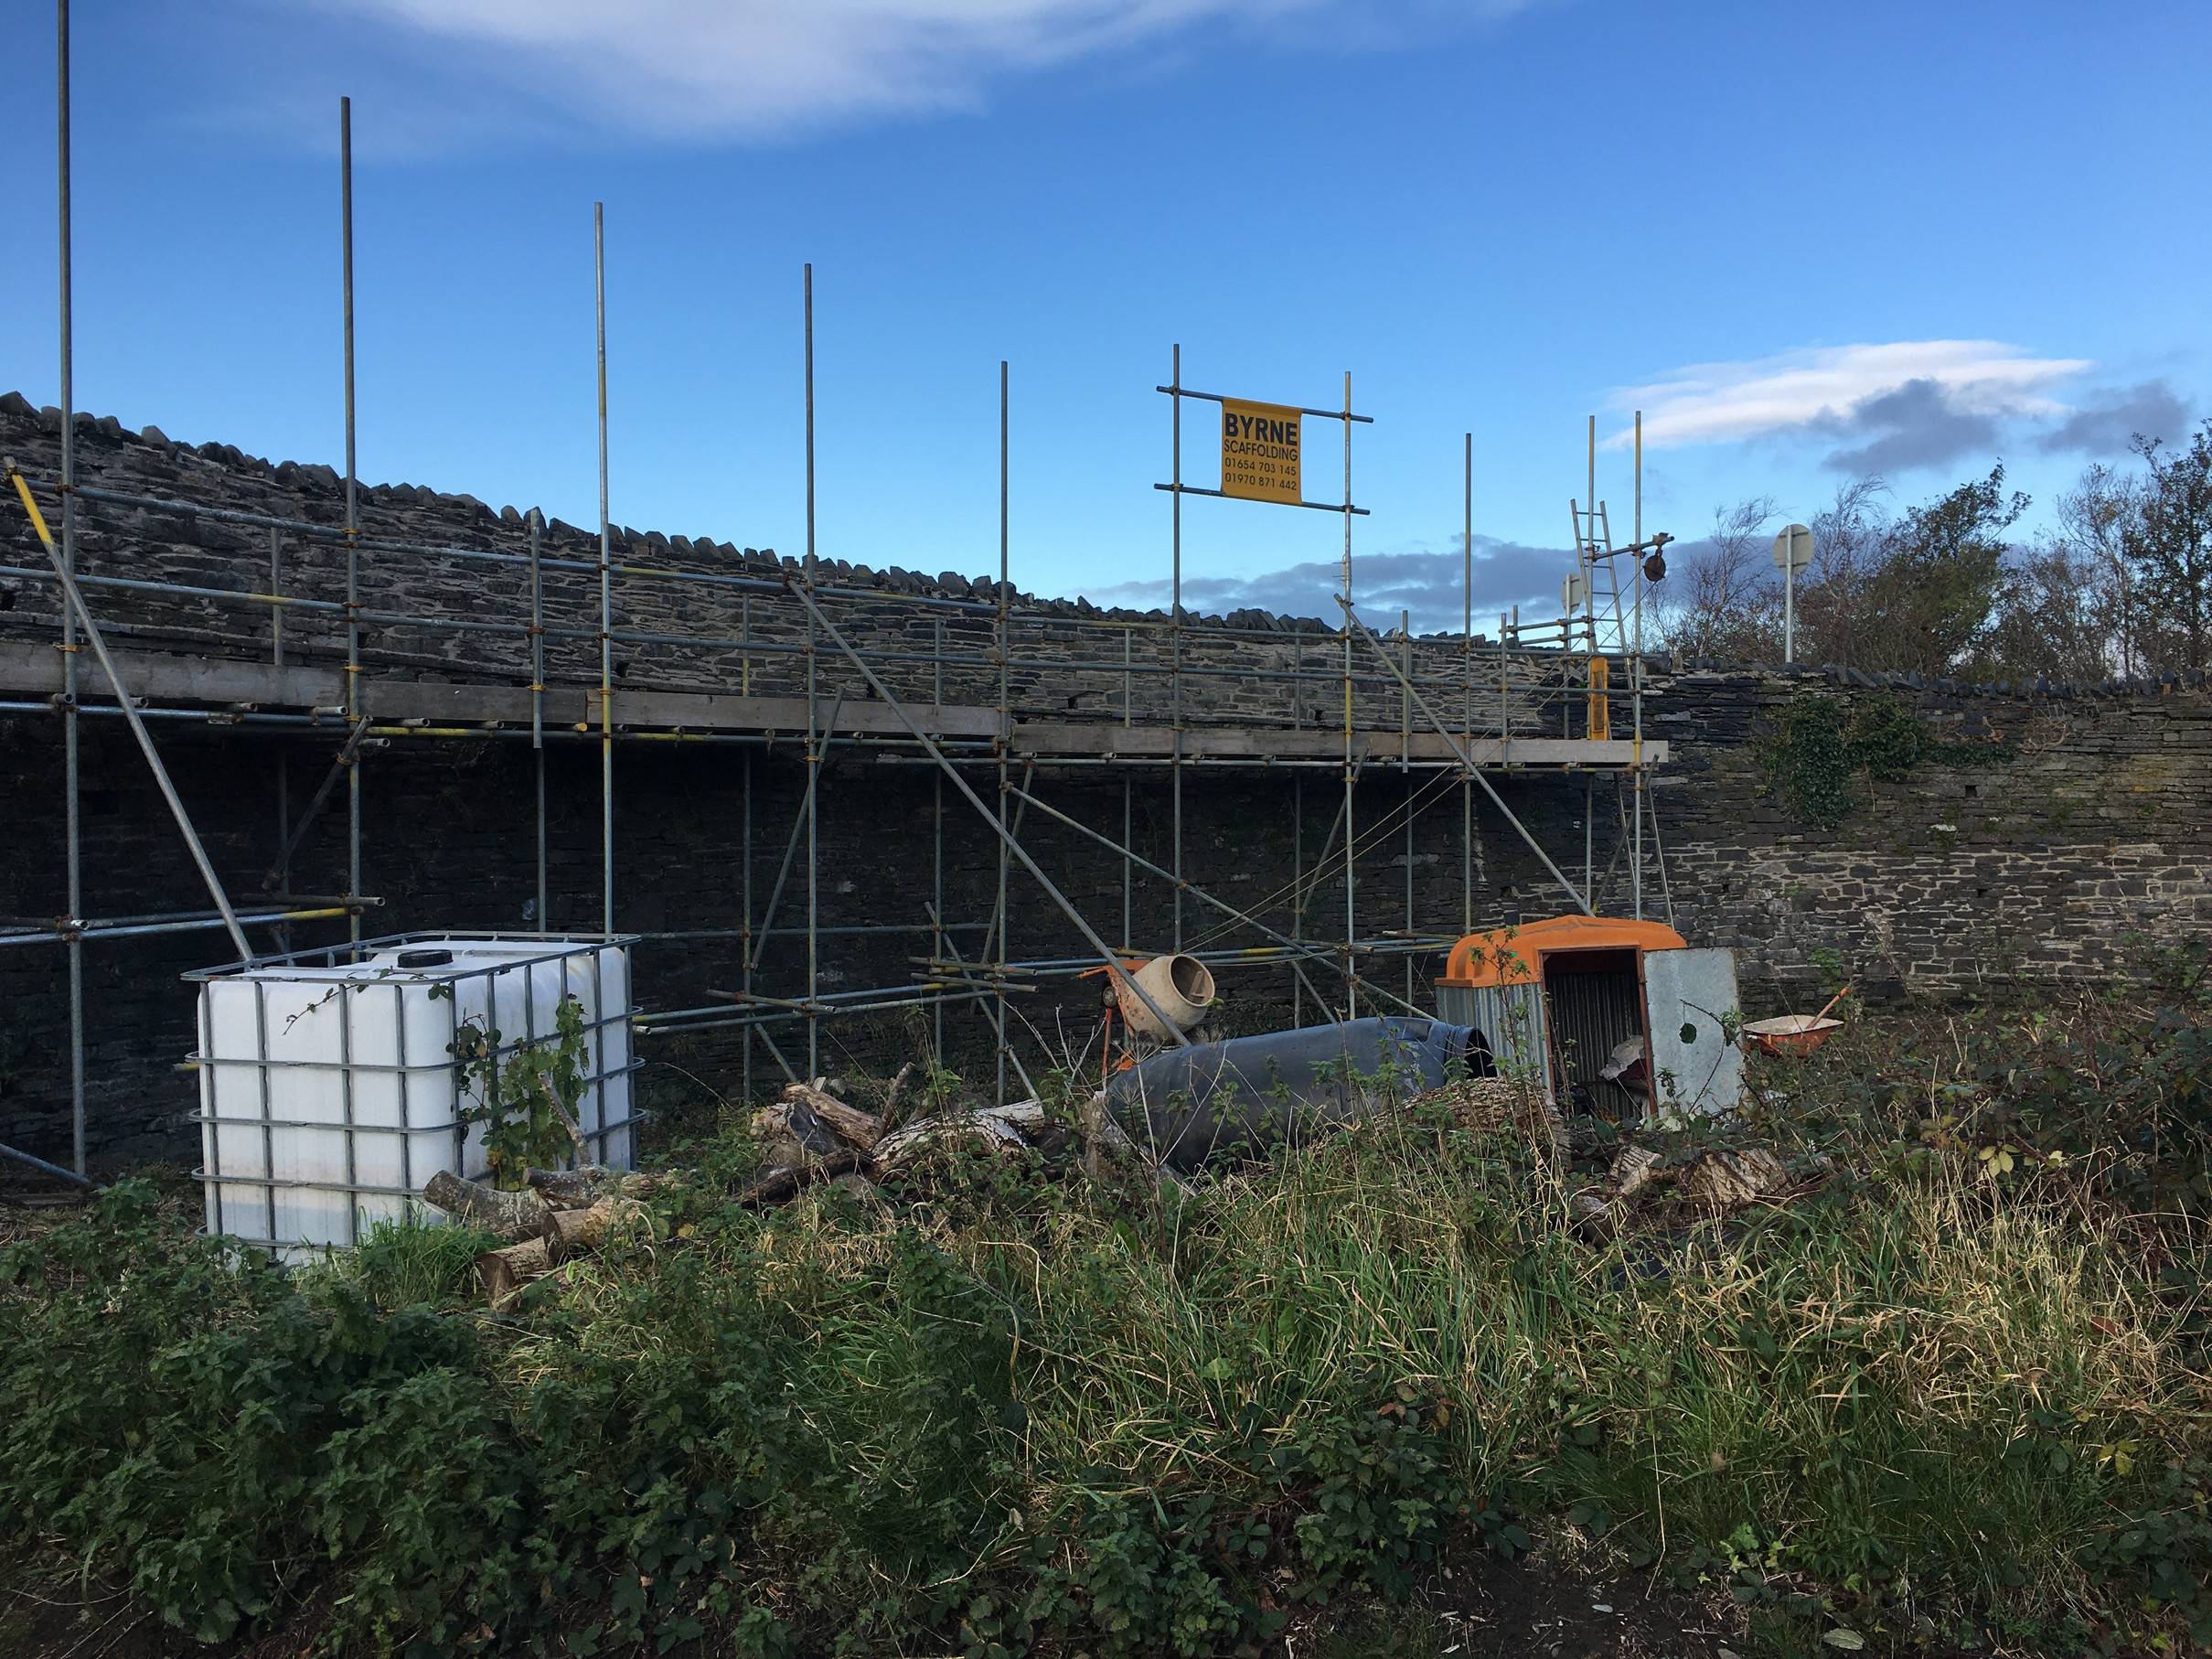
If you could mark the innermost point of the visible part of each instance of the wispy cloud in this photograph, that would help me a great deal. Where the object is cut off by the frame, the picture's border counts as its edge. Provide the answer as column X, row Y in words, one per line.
column 2106, row 424
column 1905, row 405
column 1921, row 423
column 744, row 69
column 1829, row 389
column 1430, row 585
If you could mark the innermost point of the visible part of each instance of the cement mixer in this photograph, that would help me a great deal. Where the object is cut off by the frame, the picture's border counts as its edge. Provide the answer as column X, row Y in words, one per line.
column 1180, row 987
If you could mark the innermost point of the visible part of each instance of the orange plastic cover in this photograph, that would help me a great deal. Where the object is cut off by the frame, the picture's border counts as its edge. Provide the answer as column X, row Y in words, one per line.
column 1513, row 955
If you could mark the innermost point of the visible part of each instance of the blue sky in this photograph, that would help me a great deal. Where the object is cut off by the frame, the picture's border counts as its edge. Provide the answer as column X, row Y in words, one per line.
column 1808, row 241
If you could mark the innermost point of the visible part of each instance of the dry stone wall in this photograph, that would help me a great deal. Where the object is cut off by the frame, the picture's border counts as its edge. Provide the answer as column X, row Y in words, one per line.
column 465, row 613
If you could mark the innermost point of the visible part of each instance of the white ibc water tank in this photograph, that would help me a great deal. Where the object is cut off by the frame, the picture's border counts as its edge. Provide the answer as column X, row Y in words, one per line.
column 328, row 1087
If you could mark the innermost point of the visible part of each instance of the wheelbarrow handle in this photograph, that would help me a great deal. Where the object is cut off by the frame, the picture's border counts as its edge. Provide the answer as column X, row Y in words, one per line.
column 1833, row 1001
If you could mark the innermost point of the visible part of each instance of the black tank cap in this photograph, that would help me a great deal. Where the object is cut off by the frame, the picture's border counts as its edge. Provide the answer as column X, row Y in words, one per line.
column 426, row 958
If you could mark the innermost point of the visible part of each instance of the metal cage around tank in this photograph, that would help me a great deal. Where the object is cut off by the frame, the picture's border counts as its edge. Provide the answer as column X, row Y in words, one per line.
column 345, row 1117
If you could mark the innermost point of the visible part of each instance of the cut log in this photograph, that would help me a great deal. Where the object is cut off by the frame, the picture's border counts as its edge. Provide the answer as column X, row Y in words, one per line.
column 581, row 1188
column 795, row 1121
column 503, row 1273
column 1105, row 1143
column 510, row 1215
column 1493, row 1105
column 850, row 1124
column 1636, row 1171
column 1023, row 1115
column 991, row 1130
column 574, row 1189
column 778, row 1185
column 782, row 1152
column 1729, row 1181
column 890, row 1095
column 1595, row 1212
column 1106, row 1148
column 587, row 1229
column 862, row 1188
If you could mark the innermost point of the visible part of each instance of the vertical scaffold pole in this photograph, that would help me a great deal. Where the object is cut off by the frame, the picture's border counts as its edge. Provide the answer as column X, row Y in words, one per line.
column 1589, row 572
column 353, row 531
column 1352, row 997
column 744, row 684
column 745, row 934
column 284, row 753
column 537, row 526
column 745, row 681
column 1466, row 686
column 1298, row 891
column 1405, row 773
column 1006, row 738
column 72, row 825
column 814, row 736
column 1636, row 684
column 1175, row 646
column 1505, row 700
column 936, row 837
column 1589, row 612
column 606, row 591
column 1128, row 871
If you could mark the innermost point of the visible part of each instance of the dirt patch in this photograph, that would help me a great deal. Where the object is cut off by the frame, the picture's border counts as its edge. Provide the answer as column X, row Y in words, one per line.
column 1476, row 1604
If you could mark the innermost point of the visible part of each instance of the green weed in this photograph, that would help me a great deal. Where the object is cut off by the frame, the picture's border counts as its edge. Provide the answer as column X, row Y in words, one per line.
column 998, row 1409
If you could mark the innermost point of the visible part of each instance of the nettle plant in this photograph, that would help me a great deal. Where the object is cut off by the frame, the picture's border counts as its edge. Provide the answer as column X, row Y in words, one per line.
column 525, row 1096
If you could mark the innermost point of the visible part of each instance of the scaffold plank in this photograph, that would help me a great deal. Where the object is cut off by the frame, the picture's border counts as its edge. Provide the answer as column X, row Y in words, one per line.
column 30, row 670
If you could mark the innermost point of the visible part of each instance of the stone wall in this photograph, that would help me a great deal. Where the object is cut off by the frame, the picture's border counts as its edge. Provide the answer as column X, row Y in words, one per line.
column 465, row 615
column 2047, row 828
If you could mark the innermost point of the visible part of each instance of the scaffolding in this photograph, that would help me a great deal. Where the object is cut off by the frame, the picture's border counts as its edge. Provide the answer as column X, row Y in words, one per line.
column 781, row 656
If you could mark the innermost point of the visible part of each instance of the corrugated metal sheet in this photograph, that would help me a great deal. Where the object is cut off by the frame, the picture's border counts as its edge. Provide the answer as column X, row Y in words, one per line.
column 1510, row 1017
column 1590, row 1013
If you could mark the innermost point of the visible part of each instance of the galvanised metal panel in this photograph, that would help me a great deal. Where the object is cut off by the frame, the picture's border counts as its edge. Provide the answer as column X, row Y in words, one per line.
column 1694, row 992
column 1511, row 1017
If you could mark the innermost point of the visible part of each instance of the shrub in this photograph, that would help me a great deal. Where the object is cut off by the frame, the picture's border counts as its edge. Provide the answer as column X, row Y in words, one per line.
column 1001, row 1410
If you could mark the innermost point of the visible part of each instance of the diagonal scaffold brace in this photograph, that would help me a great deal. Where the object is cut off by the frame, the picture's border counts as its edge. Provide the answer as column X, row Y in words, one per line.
column 890, row 700
column 1352, row 620
column 1304, row 950
column 75, row 598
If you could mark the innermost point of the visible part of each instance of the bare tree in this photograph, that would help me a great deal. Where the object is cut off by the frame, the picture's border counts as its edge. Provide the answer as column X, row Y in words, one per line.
column 2094, row 520
column 1726, row 606
column 1850, row 538
column 2122, row 581
column 2055, row 617
column 2168, row 549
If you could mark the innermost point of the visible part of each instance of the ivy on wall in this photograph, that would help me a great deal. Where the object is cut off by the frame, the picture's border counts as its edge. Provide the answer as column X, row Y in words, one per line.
column 1823, row 751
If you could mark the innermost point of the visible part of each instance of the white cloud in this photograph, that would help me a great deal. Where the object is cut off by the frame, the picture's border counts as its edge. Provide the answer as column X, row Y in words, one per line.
column 1823, row 389
column 1411, row 577
column 754, row 67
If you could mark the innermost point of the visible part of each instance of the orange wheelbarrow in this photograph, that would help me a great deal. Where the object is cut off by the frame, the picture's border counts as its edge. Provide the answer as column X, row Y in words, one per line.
column 1795, row 1036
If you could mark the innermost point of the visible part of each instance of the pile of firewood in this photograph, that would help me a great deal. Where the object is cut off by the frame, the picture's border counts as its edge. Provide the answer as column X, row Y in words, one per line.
column 811, row 1136
column 808, row 1137
column 555, row 1214
column 1715, row 1181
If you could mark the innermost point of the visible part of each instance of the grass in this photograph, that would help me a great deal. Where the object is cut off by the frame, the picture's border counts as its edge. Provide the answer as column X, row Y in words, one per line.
column 1958, row 1394
column 402, row 1264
